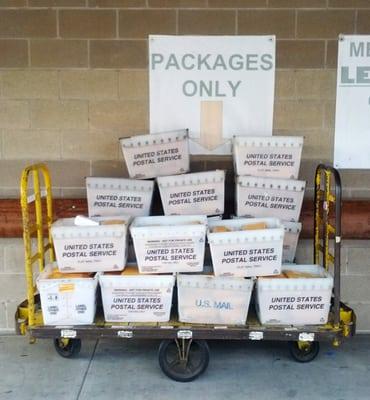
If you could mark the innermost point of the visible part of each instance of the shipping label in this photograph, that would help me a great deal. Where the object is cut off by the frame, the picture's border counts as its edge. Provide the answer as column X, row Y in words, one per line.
column 113, row 202
column 177, row 254
column 207, row 199
column 156, row 160
column 270, row 162
column 247, row 259
column 95, row 252
column 260, row 202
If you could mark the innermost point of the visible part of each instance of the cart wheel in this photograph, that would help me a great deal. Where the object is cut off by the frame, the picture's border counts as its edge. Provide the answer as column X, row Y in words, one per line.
column 67, row 348
column 304, row 351
column 183, row 360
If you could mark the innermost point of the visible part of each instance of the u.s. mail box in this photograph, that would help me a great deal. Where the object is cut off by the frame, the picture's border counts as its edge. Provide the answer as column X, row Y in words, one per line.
column 268, row 156
column 246, row 247
column 160, row 154
column 291, row 236
column 100, row 247
column 269, row 197
column 168, row 244
column 200, row 193
column 118, row 196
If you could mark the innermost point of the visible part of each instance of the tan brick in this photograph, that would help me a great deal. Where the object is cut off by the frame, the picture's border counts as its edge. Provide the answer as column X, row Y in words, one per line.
column 57, row 3
column 324, row 23
column 12, row 287
column 284, row 84
column 94, row 24
column 207, row 22
column 329, row 114
column 13, row 3
column 349, row 3
column 300, row 54
column 115, row 169
column 30, row 84
column 298, row 114
column 133, row 85
column 117, row 3
column 316, row 84
column 28, row 23
column 118, row 54
column 54, row 114
column 90, row 145
column 14, row 114
column 297, row 3
column 14, row 53
column 331, row 53
column 73, row 193
column 3, row 323
column 37, row 144
column 237, row 3
column 58, row 53
column 75, row 178
column 259, row 22
column 121, row 116
column 177, row 3
column 141, row 23
column 318, row 144
column 10, row 174
column 89, row 84
column 363, row 21
column 13, row 255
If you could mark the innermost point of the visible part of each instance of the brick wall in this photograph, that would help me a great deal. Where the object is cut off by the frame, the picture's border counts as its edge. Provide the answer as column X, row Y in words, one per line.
column 73, row 79
column 73, row 76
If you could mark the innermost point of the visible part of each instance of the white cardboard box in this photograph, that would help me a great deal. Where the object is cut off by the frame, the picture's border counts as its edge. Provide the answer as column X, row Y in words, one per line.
column 67, row 301
column 167, row 244
column 200, row 193
column 118, row 196
column 149, row 156
column 137, row 298
column 90, row 248
column 291, row 236
column 246, row 253
column 213, row 300
column 269, row 197
column 268, row 156
column 295, row 301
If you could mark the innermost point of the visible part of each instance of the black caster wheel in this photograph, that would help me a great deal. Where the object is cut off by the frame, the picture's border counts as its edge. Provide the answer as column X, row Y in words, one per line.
column 304, row 352
column 183, row 360
column 67, row 348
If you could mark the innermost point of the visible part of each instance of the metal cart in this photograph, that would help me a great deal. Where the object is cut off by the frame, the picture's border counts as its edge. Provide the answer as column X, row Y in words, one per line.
column 183, row 351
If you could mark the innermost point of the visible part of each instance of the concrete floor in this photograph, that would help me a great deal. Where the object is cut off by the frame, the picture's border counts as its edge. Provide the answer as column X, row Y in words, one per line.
column 129, row 370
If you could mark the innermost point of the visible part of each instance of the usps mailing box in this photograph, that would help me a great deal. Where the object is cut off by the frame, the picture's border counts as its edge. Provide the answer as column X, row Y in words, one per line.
column 291, row 236
column 269, row 197
column 91, row 248
column 200, row 193
column 67, row 300
column 268, row 156
column 295, row 301
column 169, row 244
column 213, row 300
column 117, row 196
column 246, row 253
column 149, row 156
column 136, row 298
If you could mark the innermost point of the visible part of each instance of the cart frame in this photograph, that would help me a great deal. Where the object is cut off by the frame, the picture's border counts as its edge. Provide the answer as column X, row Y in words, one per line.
column 327, row 228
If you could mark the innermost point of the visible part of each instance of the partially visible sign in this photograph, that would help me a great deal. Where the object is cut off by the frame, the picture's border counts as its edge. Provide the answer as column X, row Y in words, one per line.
column 217, row 86
column 352, row 120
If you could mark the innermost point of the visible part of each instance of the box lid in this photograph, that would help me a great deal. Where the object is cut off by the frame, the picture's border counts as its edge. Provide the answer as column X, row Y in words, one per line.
column 271, row 183
column 156, row 138
column 134, row 185
column 292, row 227
column 197, row 178
column 214, row 282
column 269, row 141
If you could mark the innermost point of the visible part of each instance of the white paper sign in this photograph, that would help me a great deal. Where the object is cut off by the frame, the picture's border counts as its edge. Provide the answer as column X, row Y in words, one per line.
column 216, row 86
column 352, row 120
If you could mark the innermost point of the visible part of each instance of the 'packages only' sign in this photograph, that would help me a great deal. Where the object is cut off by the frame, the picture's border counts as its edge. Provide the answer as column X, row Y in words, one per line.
column 216, row 86
column 352, row 119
